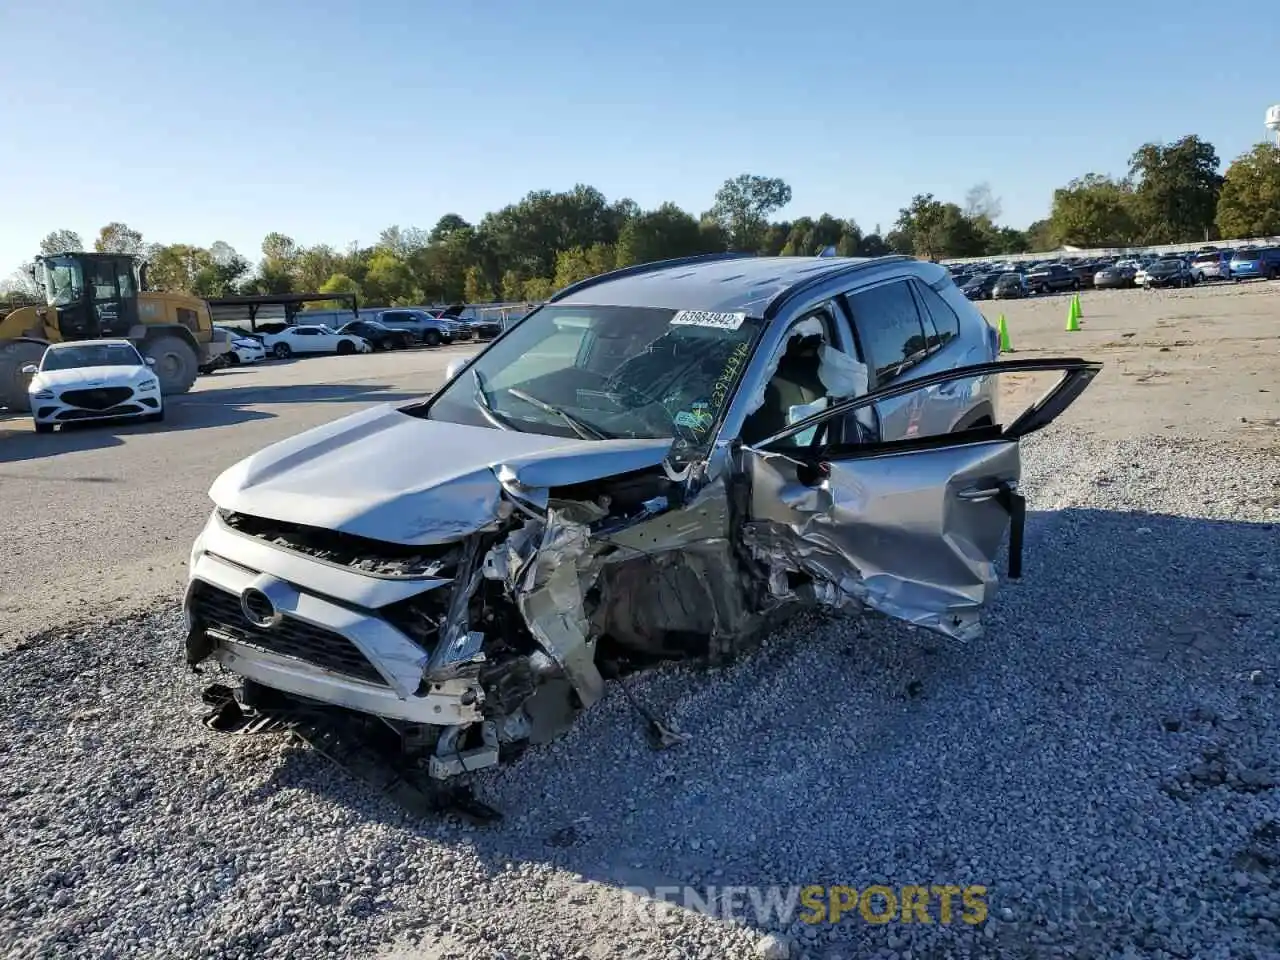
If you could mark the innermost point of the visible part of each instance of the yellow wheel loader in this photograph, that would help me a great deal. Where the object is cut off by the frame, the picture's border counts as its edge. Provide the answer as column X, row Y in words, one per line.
column 92, row 295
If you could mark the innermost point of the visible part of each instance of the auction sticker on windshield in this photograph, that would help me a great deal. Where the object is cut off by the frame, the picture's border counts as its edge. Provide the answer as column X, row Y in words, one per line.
column 708, row 318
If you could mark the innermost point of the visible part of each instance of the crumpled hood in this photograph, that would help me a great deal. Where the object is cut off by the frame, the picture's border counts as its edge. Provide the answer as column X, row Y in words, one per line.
column 91, row 377
column 389, row 476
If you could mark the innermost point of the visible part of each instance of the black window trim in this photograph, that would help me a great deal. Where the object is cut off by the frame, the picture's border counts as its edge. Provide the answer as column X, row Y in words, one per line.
column 922, row 306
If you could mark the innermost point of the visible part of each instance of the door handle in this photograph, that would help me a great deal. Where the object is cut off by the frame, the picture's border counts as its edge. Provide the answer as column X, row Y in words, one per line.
column 977, row 494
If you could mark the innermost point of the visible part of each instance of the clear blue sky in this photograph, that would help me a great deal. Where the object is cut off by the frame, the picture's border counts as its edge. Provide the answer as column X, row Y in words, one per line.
column 328, row 121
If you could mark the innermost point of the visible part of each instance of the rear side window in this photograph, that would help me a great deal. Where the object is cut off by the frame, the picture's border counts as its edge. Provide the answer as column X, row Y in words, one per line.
column 889, row 326
column 392, row 317
column 941, row 323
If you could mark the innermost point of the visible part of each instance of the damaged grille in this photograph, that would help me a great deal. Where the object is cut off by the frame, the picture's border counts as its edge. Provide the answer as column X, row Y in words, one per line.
column 220, row 611
column 347, row 550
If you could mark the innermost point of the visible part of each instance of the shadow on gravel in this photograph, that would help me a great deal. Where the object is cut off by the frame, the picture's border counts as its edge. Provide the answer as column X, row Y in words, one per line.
column 194, row 411
column 859, row 751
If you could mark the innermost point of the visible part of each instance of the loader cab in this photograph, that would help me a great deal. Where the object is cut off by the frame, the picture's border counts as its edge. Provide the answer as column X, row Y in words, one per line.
column 96, row 294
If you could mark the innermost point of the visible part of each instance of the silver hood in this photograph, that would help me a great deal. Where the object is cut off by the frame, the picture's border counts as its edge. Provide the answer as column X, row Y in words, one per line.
column 386, row 475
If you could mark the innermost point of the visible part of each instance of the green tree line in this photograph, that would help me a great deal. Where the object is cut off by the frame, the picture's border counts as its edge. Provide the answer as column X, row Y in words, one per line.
column 1171, row 193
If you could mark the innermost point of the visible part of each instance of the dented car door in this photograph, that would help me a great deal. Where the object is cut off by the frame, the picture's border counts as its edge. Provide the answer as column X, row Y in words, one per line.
column 910, row 528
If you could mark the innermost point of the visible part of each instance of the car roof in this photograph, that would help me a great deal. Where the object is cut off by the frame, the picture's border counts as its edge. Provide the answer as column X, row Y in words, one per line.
column 727, row 284
column 117, row 341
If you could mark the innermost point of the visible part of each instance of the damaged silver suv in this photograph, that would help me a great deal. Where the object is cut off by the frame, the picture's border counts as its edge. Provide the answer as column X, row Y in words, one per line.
column 655, row 464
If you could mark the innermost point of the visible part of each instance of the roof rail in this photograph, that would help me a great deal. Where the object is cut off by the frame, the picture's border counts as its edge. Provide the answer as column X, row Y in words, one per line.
column 838, row 269
column 641, row 268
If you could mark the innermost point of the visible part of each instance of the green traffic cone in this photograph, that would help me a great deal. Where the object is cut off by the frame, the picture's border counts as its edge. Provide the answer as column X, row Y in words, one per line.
column 1002, row 327
column 1073, row 318
column 1075, row 305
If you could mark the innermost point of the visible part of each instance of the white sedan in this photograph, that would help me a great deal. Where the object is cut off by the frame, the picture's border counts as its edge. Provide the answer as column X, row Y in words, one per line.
column 312, row 339
column 244, row 348
column 92, row 380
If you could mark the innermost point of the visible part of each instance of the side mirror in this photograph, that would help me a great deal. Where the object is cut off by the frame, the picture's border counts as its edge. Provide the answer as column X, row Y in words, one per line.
column 455, row 367
column 30, row 369
column 151, row 361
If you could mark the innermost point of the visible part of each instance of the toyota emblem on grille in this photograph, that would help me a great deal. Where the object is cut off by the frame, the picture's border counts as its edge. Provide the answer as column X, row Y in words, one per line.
column 258, row 608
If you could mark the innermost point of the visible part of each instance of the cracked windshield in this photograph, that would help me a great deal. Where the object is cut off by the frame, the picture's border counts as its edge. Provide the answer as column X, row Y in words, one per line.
column 605, row 373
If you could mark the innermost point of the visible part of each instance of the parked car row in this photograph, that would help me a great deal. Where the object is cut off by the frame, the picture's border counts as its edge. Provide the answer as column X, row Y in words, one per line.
column 993, row 281
column 392, row 329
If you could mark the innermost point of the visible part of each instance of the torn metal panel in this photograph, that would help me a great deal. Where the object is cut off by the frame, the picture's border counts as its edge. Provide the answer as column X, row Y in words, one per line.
column 542, row 564
column 673, row 578
column 457, row 643
column 661, row 603
column 912, row 536
column 704, row 517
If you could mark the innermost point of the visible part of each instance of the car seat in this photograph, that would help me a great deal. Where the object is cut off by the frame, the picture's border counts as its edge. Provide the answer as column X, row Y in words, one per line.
column 795, row 382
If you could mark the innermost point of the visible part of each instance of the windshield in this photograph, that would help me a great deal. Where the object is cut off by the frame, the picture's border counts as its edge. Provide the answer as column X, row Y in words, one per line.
column 91, row 355
column 62, row 279
column 633, row 372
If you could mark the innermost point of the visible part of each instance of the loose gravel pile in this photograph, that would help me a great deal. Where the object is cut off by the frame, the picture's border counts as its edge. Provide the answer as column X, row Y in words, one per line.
column 1105, row 760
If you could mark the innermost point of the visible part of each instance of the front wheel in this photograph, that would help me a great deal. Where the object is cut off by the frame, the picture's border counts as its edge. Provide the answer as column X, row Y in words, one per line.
column 282, row 351
column 1075, row 284
column 431, row 338
column 43, row 427
column 176, row 363
column 346, row 347
column 233, row 359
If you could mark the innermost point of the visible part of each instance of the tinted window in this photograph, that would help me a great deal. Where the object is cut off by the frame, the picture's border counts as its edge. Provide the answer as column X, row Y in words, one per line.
column 392, row 317
column 91, row 355
column 889, row 326
column 945, row 324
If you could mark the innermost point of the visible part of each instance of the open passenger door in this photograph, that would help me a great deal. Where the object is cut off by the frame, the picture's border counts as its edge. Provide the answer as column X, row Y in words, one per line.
column 912, row 527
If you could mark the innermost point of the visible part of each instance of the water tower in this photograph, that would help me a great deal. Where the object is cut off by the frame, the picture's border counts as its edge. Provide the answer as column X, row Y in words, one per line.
column 1273, row 120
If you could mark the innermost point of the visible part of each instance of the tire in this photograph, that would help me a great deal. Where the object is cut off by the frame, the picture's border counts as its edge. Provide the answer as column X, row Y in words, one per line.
column 1075, row 284
column 176, row 363
column 346, row 348
column 43, row 427
column 282, row 351
column 431, row 338
column 233, row 359
column 157, row 417
column 13, row 382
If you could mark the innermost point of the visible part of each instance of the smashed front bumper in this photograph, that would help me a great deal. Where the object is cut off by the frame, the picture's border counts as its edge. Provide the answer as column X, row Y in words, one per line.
column 321, row 646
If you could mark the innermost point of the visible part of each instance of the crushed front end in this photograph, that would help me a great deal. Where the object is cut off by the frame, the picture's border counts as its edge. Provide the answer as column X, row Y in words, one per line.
column 472, row 648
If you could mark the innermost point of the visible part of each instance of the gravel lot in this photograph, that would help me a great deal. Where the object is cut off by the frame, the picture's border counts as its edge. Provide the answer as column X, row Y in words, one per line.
column 1105, row 760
